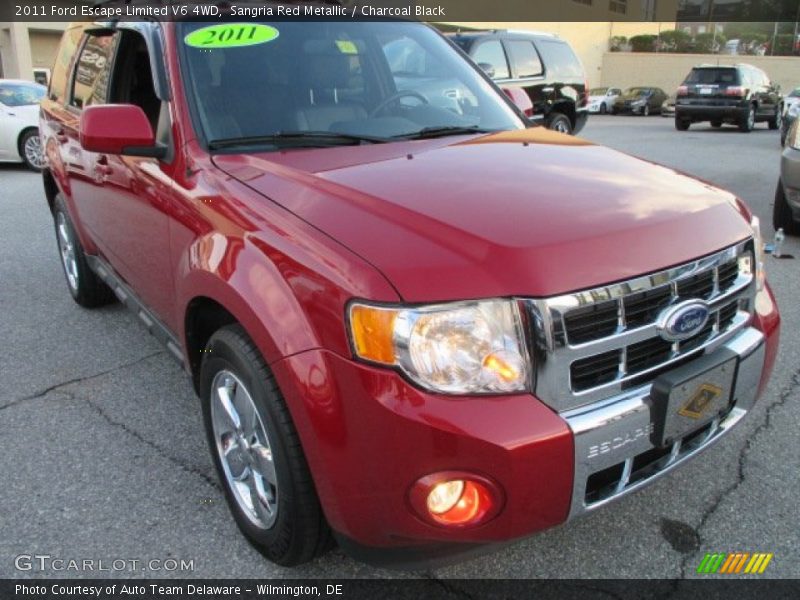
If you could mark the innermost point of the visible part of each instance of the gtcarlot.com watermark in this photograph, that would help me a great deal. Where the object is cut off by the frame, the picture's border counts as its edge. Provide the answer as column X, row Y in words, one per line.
column 47, row 563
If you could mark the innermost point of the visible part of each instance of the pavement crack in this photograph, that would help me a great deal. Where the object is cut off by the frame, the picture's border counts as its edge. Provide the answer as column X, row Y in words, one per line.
column 766, row 423
column 58, row 386
column 152, row 445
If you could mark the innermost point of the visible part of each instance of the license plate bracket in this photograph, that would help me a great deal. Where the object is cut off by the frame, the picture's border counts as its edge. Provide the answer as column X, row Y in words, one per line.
column 688, row 398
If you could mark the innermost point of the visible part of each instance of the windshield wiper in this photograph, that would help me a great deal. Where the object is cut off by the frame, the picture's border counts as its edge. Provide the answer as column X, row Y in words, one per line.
column 434, row 132
column 298, row 138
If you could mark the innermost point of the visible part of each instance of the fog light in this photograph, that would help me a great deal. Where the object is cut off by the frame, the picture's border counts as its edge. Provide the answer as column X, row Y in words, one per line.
column 455, row 499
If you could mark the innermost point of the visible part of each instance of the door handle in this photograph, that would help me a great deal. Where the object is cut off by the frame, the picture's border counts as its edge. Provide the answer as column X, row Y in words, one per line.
column 547, row 90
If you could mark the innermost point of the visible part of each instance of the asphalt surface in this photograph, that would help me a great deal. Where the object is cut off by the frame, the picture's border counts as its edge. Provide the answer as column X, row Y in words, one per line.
column 103, row 454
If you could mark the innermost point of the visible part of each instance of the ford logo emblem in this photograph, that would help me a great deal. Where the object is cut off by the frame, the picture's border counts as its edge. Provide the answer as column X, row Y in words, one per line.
column 682, row 321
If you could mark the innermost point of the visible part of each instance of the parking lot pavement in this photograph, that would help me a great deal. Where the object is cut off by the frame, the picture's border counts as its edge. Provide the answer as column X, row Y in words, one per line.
column 103, row 452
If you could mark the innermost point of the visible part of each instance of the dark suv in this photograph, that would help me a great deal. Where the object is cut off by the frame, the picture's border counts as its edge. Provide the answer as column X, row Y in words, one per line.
column 741, row 94
column 541, row 64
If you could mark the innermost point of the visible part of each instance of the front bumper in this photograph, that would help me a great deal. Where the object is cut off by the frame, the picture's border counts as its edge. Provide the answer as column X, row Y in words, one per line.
column 369, row 435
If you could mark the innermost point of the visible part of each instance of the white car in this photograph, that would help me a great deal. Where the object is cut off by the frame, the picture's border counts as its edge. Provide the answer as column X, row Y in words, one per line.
column 19, row 122
column 602, row 99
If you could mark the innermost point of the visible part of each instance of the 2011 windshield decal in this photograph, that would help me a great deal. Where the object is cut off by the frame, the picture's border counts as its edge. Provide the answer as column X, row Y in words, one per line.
column 231, row 35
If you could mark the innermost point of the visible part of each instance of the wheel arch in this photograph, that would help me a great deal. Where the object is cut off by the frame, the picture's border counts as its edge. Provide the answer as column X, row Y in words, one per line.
column 565, row 108
column 21, row 135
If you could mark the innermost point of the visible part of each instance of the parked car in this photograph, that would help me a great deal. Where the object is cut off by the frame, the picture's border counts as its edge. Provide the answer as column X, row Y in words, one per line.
column 741, row 95
column 668, row 106
column 602, row 99
column 791, row 110
column 786, row 210
column 640, row 101
column 400, row 331
column 540, row 63
column 19, row 122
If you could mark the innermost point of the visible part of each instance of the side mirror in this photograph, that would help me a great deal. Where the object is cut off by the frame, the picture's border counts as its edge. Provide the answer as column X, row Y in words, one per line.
column 488, row 69
column 118, row 129
column 520, row 99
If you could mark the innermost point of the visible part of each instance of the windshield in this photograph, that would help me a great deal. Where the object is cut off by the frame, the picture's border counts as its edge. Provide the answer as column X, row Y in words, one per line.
column 21, row 94
column 376, row 81
column 636, row 92
column 598, row 91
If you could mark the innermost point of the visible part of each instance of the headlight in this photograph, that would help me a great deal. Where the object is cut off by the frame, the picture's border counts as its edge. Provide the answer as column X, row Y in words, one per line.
column 758, row 241
column 637, row 103
column 462, row 348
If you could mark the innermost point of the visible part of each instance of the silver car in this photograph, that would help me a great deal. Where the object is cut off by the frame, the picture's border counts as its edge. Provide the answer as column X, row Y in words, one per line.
column 786, row 213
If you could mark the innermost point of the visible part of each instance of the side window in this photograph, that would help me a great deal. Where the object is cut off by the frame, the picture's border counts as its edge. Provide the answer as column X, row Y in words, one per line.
column 132, row 78
column 492, row 53
column 560, row 60
column 90, row 85
column 525, row 59
column 58, row 80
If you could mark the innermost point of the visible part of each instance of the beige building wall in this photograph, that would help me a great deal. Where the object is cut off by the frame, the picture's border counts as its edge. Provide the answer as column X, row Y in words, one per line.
column 667, row 71
column 25, row 46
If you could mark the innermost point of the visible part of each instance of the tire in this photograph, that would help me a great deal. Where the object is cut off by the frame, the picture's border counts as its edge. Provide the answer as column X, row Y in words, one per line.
column 86, row 288
column 603, row 109
column 646, row 110
column 747, row 122
column 264, row 457
column 716, row 124
column 30, row 149
column 782, row 216
column 682, row 124
column 559, row 122
column 776, row 120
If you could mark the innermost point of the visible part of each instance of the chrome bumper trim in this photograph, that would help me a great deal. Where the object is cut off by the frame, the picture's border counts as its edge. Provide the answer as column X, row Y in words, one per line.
column 613, row 432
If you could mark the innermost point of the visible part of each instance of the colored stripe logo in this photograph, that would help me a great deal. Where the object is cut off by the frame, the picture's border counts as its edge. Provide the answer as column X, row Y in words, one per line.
column 735, row 563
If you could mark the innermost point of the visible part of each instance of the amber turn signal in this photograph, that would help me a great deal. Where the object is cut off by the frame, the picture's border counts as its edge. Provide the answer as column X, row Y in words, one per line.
column 372, row 330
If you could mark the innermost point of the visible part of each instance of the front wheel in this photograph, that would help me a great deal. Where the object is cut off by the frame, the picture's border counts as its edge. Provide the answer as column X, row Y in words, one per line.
column 86, row 288
column 603, row 109
column 31, row 150
column 257, row 452
column 716, row 124
column 646, row 111
column 559, row 122
column 782, row 216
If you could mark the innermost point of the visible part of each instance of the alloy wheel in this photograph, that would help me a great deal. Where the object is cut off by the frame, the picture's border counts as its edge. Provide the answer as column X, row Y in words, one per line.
column 33, row 151
column 244, row 449
column 66, row 247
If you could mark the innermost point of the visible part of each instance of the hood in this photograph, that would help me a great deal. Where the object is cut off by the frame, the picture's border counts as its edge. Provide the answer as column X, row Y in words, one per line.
column 529, row 213
column 598, row 98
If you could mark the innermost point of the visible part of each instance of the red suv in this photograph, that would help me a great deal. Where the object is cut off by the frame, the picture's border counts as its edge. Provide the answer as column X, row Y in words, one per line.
column 414, row 323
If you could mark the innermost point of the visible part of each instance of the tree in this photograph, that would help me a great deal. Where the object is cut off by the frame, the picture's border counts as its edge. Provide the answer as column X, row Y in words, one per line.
column 643, row 43
column 674, row 40
column 707, row 43
column 617, row 43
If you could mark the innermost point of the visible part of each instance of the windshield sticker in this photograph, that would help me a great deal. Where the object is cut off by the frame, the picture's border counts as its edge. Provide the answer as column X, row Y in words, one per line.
column 231, row 35
column 346, row 47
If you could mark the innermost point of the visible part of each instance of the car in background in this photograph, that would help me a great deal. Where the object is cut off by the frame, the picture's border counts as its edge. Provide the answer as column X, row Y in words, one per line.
column 786, row 210
column 741, row 95
column 668, row 106
column 19, row 122
column 791, row 110
column 789, row 119
column 602, row 99
column 540, row 63
column 640, row 101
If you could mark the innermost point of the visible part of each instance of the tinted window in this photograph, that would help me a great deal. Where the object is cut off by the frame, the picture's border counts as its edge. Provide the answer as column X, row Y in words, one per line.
column 90, row 85
column 69, row 45
column 718, row 76
column 21, row 94
column 525, row 59
column 560, row 60
column 492, row 53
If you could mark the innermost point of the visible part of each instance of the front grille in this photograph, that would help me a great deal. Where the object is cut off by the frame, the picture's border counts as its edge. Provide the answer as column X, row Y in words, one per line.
column 603, row 340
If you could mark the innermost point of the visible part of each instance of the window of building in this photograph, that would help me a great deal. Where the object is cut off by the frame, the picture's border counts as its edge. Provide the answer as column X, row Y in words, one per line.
column 586, row 2
column 618, row 6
